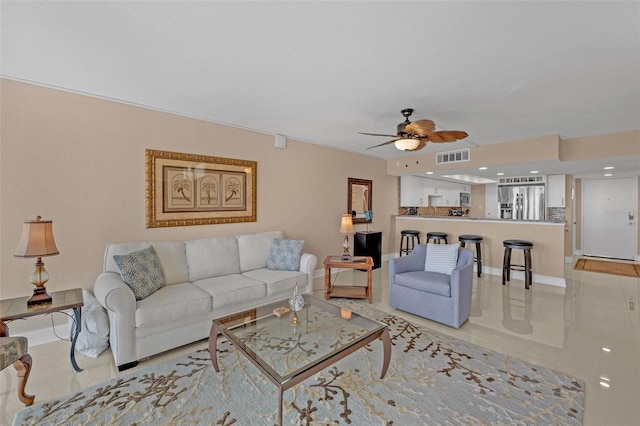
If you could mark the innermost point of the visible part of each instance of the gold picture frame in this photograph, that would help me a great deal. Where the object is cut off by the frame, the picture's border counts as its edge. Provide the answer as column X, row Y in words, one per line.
column 190, row 189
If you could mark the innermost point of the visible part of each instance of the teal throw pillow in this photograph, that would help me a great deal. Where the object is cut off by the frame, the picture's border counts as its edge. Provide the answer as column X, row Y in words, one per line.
column 441, row 258
column 284, row 255
column 141, row 271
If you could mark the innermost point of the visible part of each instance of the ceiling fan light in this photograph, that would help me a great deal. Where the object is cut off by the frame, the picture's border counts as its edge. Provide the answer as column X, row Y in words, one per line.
column 407, row 144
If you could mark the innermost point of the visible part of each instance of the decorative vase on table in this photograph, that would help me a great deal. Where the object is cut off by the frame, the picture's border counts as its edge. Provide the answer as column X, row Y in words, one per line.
column 296, row 302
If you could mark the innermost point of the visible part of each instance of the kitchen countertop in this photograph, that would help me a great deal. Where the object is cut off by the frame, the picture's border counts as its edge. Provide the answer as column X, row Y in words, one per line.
column 473, row 219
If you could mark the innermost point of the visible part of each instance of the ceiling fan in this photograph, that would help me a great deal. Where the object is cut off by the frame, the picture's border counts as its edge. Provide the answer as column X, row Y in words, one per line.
column 414, row 136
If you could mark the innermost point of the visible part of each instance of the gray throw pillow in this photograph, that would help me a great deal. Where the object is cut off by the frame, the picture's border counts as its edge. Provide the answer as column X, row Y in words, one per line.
column 141, row 271
column 284, row 255
column 441, row 258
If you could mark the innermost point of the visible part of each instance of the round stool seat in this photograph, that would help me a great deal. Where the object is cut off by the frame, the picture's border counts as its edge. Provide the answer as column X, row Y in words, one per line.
column 517, row 244
column 437, row 234
column 410, row 232
column 437, row 237
column 469, row 238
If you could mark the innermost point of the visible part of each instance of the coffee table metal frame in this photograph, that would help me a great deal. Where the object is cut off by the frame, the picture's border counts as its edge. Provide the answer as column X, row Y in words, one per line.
column 323, row 360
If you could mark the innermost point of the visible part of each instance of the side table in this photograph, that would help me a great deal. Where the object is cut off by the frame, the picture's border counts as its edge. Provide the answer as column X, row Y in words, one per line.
column 13, row 309
column 351, row 291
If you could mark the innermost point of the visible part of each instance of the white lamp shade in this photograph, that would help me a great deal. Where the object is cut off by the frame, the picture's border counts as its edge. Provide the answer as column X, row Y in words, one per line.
column 407, row 144
column 346, row 225
column 37, row 239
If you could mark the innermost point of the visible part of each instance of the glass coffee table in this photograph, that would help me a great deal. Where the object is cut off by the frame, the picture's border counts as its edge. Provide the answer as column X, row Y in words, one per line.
column 295, row 346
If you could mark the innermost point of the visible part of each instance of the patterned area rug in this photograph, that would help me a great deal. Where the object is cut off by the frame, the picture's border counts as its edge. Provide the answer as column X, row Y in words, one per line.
column 608, row 267
column 432, row 379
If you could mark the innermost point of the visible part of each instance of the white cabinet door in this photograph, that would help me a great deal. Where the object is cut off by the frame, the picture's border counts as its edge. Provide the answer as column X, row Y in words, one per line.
column 414, row 191
column 419, row 191
column 555, row 191
column 406, row 191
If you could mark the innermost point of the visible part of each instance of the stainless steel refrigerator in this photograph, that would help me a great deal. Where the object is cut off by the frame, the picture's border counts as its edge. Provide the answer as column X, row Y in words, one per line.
column 523, row 202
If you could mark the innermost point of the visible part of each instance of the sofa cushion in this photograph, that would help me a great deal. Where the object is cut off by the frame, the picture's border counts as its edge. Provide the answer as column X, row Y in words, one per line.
column 279, row 281
column 172, row 303
column 172, row 256
column 232, row 289
column 173, row 259
column 212, row 257
column 284, row 255
column 430, row 282
column 253, row 249
column 441, row 258
column 141, row 271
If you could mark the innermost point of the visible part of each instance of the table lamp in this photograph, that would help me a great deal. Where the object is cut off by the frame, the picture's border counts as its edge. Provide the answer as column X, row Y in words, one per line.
column 346, row 228
column 37, row 241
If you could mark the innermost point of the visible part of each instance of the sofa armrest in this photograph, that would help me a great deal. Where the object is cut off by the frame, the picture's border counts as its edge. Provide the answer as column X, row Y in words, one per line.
column 308, row 263
column 462, row 287
column 118, row 299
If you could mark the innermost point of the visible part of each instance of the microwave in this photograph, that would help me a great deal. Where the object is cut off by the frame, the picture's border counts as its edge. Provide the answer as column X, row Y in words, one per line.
column 465, row 199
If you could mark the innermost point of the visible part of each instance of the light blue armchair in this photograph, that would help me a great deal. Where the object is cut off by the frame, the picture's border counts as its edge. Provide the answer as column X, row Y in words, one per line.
column 433, row 295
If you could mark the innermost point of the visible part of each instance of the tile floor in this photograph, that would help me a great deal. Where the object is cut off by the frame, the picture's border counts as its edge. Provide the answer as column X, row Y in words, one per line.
column 590, row 329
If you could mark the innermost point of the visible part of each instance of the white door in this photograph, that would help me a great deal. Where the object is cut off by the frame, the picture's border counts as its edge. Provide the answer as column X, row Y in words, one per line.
column 609, row 213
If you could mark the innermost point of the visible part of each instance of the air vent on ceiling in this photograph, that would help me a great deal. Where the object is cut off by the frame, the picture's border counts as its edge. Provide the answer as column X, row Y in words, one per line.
column 456, row 156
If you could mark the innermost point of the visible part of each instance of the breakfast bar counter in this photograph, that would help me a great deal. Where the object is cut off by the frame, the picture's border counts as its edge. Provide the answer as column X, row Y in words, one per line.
column 548, row 239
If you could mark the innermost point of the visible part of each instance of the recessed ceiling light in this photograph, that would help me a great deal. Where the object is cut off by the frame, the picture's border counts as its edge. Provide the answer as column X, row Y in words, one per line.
column 609, row 168
column 608, row 174
column 605, row 385
column 429, row 173
column 606, row 350
column 500, row 174
column 482, row 168
column 533, row 172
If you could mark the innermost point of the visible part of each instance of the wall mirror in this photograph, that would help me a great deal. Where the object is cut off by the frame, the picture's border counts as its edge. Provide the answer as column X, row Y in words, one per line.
column 359, row 193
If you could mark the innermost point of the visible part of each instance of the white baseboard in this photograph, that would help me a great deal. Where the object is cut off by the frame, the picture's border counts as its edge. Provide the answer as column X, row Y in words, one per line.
column 537, row 279
column 42, row 335
column 519, row 275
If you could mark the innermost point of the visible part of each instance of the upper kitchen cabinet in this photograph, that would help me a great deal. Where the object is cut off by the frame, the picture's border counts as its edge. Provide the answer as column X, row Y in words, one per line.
column 416, row 191
column 556, row 191
column 413, row 192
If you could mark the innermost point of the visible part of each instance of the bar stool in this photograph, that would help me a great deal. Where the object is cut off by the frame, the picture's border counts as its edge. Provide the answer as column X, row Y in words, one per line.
column 507, row 266
column 437, row 237
column 477, row 240
column 406, row 236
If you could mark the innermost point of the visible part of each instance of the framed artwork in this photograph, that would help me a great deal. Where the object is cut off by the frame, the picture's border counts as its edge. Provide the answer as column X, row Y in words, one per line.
column 190, row 189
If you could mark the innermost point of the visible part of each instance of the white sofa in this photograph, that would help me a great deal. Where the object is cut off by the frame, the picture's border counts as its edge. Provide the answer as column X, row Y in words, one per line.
column 205, row 279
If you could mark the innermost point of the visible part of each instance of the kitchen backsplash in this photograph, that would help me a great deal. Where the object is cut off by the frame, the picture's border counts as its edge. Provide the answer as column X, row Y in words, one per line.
column 556, row 214
column 431, row 211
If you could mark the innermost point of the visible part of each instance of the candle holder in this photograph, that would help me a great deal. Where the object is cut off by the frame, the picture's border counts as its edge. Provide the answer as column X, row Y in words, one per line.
column 296, row 302
column 295, row 321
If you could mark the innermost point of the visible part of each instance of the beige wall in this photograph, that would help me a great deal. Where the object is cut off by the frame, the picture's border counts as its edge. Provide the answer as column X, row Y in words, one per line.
column 79, row 161
column 477, row 207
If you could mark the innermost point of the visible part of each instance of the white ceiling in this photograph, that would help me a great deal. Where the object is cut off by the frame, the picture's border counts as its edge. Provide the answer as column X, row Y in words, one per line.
column 321, row 72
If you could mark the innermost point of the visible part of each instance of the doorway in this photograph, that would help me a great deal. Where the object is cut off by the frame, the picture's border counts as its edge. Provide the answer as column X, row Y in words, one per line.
column 610, row 218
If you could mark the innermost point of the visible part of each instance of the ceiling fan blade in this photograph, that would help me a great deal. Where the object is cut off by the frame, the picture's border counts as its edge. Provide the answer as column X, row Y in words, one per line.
column 377, row 134
column 420, row 127
column 447, row 136
column 384, row 143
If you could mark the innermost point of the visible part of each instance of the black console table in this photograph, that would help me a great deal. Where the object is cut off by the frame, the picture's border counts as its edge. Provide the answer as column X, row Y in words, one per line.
column 369, row 244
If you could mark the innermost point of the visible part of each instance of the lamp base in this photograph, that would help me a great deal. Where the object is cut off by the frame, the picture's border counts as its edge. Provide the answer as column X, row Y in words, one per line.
column 40, row 297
